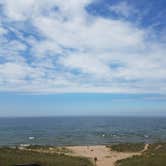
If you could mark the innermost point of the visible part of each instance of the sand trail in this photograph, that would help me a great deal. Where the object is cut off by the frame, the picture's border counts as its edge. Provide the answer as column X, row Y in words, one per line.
column 105, row 157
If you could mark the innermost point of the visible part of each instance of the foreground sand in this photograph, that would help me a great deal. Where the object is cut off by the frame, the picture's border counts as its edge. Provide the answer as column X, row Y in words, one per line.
column 105, row 157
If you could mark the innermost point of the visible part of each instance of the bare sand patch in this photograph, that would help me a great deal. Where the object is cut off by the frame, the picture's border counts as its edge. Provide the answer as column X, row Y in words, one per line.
column 105, row 157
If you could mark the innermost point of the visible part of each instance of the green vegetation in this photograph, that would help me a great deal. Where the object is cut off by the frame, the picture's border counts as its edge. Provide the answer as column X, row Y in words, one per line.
column 43, row 147
column 128, row 147
column 48, row 149
column 10, row 157
column 154, row 156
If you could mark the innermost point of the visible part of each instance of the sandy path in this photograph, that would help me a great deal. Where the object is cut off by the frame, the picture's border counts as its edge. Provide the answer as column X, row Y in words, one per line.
column 105, row 157
column 145, row 148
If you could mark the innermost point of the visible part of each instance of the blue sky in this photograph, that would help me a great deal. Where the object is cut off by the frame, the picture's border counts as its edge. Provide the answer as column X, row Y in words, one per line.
column 82, row 57
column 82, row 104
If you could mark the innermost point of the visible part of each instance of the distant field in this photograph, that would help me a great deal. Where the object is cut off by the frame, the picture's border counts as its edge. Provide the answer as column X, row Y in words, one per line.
column 10, row 157
column 154, row 156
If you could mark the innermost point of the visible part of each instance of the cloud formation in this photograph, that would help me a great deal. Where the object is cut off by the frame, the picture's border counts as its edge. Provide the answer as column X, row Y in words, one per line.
column 123, row 9
column 54, row 46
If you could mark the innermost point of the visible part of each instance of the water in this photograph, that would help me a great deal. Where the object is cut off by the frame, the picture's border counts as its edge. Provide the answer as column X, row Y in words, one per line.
column 81, row 130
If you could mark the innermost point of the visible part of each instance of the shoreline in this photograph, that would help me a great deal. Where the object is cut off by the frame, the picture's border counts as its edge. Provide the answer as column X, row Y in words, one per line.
column 73, row 145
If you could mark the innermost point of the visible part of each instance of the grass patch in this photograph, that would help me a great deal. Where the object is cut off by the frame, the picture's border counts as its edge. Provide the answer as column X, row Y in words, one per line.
column 43, row 147
column 48, row 149
column 128, row 147
column 10, row 157
column 154, row 156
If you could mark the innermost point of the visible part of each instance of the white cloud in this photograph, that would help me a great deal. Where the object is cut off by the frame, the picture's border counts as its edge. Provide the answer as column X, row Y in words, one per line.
column 21, row 10
column 77, row 52
column 2, row 31
column 99, row 35
column 11, row 70
column 123, row 8
column 88, row 64
column 10, row 50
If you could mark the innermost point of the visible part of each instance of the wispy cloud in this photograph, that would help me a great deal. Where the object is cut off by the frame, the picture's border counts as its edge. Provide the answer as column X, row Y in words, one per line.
column 124, row 9
column 55, row 46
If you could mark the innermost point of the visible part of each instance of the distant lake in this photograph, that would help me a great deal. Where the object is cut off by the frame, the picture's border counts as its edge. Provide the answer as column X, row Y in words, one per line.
column 81, row 130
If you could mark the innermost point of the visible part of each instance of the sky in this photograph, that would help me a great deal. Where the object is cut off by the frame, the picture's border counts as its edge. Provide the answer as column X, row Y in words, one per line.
column 82, row 57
